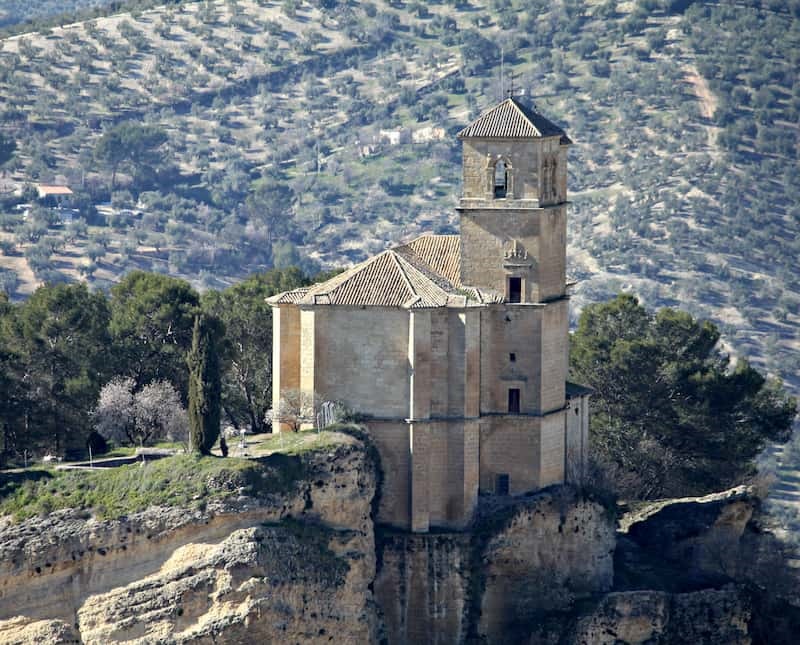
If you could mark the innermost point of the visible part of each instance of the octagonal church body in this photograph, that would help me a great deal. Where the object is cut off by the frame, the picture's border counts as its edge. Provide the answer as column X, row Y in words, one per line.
column 455, row 347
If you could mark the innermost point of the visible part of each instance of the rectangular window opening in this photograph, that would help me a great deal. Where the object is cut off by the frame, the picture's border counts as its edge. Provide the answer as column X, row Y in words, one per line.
column 503, row 484
column 512, row 357
column 513, row 400
column 515, row 289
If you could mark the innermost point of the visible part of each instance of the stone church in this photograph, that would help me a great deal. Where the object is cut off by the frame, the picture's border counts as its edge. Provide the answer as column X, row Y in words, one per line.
column 455, row 347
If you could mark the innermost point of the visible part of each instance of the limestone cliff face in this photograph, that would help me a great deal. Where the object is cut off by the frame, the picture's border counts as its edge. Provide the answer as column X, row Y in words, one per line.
column 554, row 550
column 702, row 535
column 491, row 585
column 294, row 567
column 423, row 587
column 301, row 567
column 718, row 545
column 634, row 617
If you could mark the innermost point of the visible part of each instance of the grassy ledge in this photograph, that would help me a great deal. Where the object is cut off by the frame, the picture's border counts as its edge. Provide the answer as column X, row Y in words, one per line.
column 182, row 480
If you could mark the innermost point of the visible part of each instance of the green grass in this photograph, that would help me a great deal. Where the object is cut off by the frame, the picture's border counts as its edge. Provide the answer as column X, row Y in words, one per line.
column 182, row 480
column 129, row 451
column 297, row 443
column 117, row 451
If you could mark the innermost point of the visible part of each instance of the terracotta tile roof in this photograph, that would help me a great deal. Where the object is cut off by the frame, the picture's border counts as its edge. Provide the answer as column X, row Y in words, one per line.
column 288, row 297
column 394, row 278
column 423, row 273
column 442, row 253
column 574, row 390
column 511, row 119
column 484, row 296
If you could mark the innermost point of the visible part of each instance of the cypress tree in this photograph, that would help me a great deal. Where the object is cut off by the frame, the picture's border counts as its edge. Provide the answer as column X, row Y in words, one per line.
column 204, row 384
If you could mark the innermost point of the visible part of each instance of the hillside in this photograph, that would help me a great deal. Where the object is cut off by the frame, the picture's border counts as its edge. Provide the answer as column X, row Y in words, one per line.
column 14, row 12
column 321, row 132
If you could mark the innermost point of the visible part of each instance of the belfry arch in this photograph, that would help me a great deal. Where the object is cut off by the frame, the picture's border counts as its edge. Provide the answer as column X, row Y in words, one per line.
column 500, row 177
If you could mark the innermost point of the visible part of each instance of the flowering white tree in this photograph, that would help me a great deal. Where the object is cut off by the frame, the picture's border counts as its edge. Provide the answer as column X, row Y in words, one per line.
column 155, row 413
column 158, row 413
column 113, row 417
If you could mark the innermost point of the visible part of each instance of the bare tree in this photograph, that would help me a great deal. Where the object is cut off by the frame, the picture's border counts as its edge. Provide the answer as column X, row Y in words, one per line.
column 295, row 409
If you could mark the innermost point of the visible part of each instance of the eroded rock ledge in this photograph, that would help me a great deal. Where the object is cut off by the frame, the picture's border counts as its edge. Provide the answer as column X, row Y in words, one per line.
column 292, row 567
column 303, row 566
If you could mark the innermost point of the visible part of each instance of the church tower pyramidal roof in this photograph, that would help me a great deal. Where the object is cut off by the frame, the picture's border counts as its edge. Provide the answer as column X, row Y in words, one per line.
column 512, row 119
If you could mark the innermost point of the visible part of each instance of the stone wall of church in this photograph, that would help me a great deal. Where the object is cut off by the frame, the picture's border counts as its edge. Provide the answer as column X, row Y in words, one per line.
column 454, row 363
column 452, row 472
column 552, row 449
column 285, row 354
column 393, row 442
column 440, row 359
column 537, row 337
column 554, row 355
column 430, row 472
column 530, row 450
column 472, row 363
column 552, row 252
column 510, row 445
column 487, row 235
column 577, row 440
column 358, row 357
column 507, row 330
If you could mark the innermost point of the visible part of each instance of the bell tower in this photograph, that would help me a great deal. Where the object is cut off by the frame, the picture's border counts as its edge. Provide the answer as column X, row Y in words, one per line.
column 513, row 206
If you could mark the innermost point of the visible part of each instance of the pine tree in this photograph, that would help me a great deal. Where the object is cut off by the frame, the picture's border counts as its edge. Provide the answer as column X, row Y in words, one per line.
column 204, row 384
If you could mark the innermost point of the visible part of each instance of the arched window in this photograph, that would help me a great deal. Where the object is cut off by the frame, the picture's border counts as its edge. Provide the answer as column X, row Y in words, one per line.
column 500, row 179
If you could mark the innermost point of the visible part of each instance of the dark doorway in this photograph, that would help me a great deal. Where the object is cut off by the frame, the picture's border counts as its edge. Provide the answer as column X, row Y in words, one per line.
column 503, row 484
column 515, row 289
column 513, row 401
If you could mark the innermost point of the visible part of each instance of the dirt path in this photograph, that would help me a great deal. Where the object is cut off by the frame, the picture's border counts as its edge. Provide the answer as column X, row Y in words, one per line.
column 708, row 102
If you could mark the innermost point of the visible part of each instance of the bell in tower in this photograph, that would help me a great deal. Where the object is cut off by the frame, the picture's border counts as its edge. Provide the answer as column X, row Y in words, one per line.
column 513, row 206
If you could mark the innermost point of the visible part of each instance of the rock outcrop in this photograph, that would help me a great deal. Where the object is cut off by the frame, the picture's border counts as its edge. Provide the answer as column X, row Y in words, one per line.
column 303, row 566
column 553, row 550
column 495, row 583
column 423, row 587
column 292, row 567
column 634, row 617
column 701, row 536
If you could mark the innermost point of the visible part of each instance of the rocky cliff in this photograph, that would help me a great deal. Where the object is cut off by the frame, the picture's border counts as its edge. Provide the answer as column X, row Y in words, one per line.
column 307, row 565
column 518, row 564
column 289, row 567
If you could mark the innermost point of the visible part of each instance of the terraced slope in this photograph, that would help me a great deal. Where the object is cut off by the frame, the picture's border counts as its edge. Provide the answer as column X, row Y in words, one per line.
column 321, row 132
